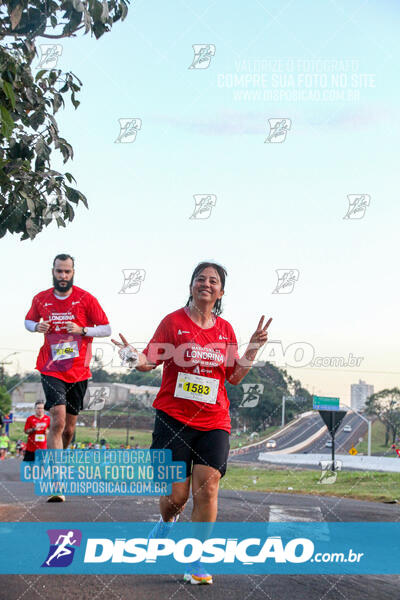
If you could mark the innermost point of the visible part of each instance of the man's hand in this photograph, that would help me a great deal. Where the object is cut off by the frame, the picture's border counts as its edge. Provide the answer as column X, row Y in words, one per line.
column 73, row 328
column 43, row 326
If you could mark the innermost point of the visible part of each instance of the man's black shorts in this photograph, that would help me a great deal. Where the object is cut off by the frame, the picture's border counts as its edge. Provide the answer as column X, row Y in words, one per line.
column 58, row 392
column 29, row 456
column 191, row 445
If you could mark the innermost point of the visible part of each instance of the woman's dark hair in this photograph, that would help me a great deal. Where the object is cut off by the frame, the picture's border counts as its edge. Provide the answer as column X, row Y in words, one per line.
column 217, row 308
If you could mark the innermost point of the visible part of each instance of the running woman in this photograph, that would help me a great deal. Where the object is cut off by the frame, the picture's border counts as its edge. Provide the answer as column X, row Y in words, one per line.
column 69, row 317
column 199, row 352
column 36, row 427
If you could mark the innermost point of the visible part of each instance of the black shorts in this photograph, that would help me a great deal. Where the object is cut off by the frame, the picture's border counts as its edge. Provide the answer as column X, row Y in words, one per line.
column 59, row 392
column 29, row 456
column 190, row 445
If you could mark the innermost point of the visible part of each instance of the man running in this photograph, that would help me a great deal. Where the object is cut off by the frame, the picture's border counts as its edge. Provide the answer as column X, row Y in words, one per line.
column 69, row 317
column 36, row 427
column 199, row 351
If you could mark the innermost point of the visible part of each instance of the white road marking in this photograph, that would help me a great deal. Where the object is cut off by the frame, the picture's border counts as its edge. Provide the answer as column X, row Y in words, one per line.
column 294, row 514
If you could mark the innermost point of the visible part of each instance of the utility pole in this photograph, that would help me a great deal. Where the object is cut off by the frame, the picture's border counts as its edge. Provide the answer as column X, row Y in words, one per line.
column 128, row 422
column 2, row 363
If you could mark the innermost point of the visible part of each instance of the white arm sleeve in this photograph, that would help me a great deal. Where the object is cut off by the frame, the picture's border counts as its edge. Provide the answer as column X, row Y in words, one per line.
column 30, row 325
column 99, row 331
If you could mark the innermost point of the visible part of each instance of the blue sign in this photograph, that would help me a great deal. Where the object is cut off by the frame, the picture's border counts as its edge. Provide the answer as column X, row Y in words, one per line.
column 8, row 418
column 232, row 548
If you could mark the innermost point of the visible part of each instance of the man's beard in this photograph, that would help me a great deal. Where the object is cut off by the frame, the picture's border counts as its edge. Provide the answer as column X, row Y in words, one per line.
column 67, row 285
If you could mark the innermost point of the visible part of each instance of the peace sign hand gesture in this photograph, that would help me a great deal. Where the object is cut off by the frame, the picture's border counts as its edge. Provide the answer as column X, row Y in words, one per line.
column 128, row 354
column 260, row 335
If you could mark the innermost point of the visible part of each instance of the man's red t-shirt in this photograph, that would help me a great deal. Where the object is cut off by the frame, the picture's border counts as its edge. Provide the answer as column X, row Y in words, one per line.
column 186, row 348
column 64, row 355
column 37, row 439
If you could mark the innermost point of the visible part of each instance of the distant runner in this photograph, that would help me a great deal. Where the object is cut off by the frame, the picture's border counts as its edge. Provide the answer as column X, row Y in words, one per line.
column 36, row 427
column 4, row 444
column 69, row 317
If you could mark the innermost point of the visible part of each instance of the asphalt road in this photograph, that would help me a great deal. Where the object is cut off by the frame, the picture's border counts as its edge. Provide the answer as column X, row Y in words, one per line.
column 303, row 428
column 18, row 503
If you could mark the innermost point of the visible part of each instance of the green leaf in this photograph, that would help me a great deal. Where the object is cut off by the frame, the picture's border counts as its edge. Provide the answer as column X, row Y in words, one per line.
column 71, row 213
column 72, row 195
column 9, row 92
column 70, row 177
column 15, row 16
column 58, row 101
column 7, row 123
column 40, row 74
column 31, row 205
column 124, row 10
column 31, row 228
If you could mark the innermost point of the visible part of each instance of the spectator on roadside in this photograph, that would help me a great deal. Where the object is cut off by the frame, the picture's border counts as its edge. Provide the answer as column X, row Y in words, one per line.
column 4, row 444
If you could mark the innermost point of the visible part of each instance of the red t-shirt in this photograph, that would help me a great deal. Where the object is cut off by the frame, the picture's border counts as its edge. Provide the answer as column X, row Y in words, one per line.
column 184, row 347
column 37, row 439
column 65, row 355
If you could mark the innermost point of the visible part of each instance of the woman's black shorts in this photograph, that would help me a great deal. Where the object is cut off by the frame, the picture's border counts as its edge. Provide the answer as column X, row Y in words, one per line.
column 190, row 445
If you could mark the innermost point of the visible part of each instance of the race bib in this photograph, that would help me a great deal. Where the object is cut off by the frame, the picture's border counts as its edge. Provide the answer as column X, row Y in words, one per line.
column 64, row 350
column 197, row 387
column 40, row 437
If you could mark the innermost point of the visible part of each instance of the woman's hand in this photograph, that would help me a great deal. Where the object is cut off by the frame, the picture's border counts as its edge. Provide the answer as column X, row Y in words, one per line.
column 260, row 335
column 126, row 352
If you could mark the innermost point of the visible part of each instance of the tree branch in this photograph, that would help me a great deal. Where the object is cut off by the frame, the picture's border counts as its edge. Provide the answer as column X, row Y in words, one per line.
column 45, row 35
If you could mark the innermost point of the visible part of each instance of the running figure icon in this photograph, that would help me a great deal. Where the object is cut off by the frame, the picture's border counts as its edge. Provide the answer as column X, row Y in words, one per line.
column 62, row 549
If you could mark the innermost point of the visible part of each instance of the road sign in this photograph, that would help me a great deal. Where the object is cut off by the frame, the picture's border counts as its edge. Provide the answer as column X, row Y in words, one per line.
column 353, row 451
column 325, row 403
column 332, row 419
column 7, row 419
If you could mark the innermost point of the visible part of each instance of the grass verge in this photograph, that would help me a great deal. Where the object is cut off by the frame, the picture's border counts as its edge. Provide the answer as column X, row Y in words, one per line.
column 361, row 485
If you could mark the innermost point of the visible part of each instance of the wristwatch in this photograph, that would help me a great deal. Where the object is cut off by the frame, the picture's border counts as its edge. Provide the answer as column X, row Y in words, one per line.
column 84, row 330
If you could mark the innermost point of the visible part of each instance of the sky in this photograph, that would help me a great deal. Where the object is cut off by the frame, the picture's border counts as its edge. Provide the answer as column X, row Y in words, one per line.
column 328, row 72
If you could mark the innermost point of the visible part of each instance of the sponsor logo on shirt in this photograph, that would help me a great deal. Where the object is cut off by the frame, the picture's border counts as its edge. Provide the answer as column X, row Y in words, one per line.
column 61, row 316
column 76, row 302
column 182, row 332
column 221, row 337
column 205, row 356
column 48, row 304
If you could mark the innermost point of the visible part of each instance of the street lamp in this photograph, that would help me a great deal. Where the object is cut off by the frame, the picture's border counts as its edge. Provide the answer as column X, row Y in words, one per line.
column 4, row 362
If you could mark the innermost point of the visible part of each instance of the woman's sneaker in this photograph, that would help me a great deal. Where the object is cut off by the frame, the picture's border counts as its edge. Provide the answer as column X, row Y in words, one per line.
column 162, row 528
column 197, row 575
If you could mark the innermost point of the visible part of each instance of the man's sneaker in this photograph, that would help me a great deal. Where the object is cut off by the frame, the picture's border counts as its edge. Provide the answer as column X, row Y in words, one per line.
column 197, row 575
column 56, row 498
column 162, row 528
